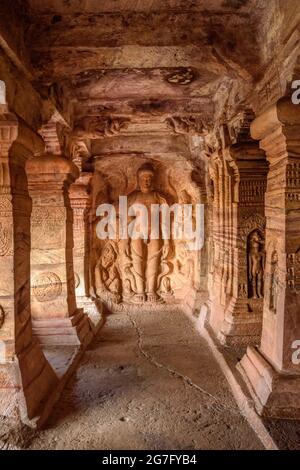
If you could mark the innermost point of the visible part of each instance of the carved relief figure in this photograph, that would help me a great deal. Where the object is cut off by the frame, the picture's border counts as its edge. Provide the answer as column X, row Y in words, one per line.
column 166, row 289
column 256, row 262
column 184, row 266
column 242, row 291
column 274, row 282
column 150, row 269
column 146, row 254
column 107, row 272
column 127, row 291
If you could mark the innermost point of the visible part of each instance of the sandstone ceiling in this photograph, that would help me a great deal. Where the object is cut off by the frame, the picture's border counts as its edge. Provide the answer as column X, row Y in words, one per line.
column 149, row 59
column 147, row 62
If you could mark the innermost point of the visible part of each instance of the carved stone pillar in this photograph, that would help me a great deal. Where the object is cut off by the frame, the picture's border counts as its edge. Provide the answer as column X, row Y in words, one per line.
column 220, row 241
column 243, row 313
column 272, row 372
column 26, row 378
column 8, row 134
column 56, row 318
column 81, row 204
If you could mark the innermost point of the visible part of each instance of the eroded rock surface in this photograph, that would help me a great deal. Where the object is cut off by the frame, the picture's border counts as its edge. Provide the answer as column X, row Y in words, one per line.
column 148, row 382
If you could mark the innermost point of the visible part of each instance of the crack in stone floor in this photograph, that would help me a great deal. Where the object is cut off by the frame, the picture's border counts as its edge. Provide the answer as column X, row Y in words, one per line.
column 173, row 372
column 149, row 381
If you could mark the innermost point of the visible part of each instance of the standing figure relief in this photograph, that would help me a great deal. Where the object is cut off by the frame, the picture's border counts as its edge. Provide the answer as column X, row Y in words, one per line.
column 256, row 264
column 147, row 253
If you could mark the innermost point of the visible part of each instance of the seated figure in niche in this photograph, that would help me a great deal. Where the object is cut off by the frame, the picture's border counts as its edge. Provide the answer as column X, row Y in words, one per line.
column 256, row 263
column 146, row 254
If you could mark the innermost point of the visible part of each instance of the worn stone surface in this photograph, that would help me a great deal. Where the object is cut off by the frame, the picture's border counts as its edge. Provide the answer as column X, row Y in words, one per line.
column 149, row 382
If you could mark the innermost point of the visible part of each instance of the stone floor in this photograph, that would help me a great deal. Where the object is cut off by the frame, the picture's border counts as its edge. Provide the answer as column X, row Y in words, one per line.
column 148, row 382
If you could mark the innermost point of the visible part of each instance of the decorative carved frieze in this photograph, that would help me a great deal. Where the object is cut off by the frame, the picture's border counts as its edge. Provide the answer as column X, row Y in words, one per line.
column 293, row 271
column 252, row 191
column 6, row 237
column 250, row 222
column 98, row 128
column 186, row 125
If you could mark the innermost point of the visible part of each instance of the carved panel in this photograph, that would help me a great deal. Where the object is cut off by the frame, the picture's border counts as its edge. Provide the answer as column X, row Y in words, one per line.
column 250, row 223
column 186, row 125
column 6, row 236
column 293, row 271
column 47, row 286
column 274, row 282
column 97, row 128
column 252, row 191
column 143, row 272
column 51, row 223
column 5, row 206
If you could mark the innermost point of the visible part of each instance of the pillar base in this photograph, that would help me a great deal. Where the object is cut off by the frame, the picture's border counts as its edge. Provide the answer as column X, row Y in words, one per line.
column 25, row 385
column 242, row 324
column 276, row 395
column 94, row 310
column 75, row 330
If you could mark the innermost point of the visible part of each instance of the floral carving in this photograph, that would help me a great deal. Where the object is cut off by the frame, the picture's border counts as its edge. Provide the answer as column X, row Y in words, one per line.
column 47, row 286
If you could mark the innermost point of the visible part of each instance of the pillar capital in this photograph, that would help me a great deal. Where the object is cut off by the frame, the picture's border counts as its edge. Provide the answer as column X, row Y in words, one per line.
column 51, row 168
column 8, row 132
column 50, row 173
column 80, row 190
column 277, row 117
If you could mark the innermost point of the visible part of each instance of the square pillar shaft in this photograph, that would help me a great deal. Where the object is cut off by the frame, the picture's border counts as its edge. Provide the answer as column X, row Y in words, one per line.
column 81, row 204
column 26, row 378
column 56, row 318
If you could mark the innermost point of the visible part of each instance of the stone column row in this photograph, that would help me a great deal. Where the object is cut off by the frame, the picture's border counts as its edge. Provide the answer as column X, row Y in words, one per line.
column 238, row 216
column 272, row 372
column 26, row 378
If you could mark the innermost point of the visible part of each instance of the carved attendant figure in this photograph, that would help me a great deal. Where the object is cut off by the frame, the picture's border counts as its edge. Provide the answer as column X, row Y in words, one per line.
column 274, row 282
column 256, row 264
column 107, row 272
